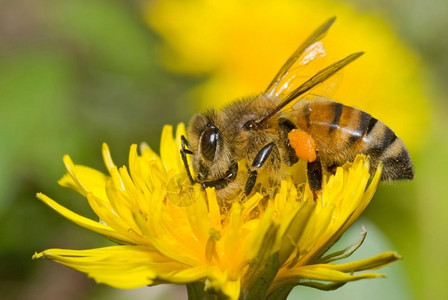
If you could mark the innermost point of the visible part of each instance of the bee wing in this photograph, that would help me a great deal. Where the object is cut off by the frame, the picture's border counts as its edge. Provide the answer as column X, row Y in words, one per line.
column 312, row 60
column 315, row 80
column 308, row 52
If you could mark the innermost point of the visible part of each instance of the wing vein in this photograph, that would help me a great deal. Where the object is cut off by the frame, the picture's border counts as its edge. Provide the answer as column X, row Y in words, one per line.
column 318, row 78
column 314, row 37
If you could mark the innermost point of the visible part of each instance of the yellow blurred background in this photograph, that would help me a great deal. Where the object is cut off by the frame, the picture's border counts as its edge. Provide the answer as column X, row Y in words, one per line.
column 74, row 74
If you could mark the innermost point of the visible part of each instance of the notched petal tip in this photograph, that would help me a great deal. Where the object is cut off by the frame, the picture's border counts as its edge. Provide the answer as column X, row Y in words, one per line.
column 394, row 256
column 67, row 159
column 68, row 162
column 180, row 130
column 107, row 157
column 133, row 148
column 71, row 179
column 37, row 255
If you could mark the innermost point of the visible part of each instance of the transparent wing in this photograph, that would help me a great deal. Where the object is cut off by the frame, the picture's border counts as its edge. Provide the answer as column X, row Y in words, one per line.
column 312, row 82
column 302, row 64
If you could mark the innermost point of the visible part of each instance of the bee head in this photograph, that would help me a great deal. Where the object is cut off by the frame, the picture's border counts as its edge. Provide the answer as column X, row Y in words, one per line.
column 210, row 160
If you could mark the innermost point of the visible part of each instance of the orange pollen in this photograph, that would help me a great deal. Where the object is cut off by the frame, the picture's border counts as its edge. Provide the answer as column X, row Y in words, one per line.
column 303, row 144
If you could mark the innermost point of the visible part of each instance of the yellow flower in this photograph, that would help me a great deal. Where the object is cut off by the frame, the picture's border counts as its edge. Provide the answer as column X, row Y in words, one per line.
column 171, row 232
column 240, row 45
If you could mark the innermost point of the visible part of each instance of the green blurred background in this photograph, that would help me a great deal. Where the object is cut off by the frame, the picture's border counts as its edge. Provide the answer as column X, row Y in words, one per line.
column 74, row 74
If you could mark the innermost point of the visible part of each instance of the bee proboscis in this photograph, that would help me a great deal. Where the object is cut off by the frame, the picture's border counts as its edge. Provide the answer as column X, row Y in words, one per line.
column 284, row 124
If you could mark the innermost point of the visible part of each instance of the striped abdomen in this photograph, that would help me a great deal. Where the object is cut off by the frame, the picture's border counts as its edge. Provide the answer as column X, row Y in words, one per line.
column 341, row 132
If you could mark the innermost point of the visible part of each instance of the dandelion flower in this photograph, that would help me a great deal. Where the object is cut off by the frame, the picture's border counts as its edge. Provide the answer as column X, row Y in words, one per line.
column 168, row 231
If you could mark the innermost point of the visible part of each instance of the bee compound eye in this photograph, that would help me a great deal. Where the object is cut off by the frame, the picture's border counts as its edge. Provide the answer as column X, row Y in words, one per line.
column 209, row 142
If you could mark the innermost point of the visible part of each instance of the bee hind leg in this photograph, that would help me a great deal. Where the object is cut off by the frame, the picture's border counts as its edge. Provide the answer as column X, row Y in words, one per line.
column 258, row 161
column 314, row 174
column 286, row 127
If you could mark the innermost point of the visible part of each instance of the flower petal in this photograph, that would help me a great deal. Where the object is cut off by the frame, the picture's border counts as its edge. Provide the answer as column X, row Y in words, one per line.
column 85, row 222
column 83, row 179
column 348, row 193
column 169, row 149
column 120, row 266
column 219, row 281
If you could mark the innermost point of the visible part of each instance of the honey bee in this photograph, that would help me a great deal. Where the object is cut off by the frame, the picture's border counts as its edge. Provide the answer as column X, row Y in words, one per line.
column 284, row 124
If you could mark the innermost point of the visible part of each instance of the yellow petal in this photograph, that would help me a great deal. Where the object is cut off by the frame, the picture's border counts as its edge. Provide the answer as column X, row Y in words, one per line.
column 120, row 226
column 295, row 230
column 187, row 275
column 169, row 149
column 219, row 281
column 107, row 157
column 214, row 210
column 84, row 179
column 368, row 195
column 85, row 222
column 346, row 193
column 121, row 266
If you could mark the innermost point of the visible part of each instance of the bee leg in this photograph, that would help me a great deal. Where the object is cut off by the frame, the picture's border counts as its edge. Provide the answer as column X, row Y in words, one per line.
column 258, row 161
column 250, row 183
column 183, row 153
column 332, row 168
column 314, row 174
column 290, row 156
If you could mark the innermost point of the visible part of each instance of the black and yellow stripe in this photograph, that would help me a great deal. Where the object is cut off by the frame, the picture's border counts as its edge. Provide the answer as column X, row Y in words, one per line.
column 342, row 132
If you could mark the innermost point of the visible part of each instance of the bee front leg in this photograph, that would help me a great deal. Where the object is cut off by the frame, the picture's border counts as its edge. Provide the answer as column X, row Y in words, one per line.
column 314, row 174
column 258, row 161
column 183, row 153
